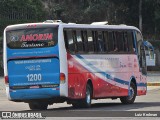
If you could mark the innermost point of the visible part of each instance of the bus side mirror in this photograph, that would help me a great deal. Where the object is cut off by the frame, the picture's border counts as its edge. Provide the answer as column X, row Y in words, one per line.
column 150, row 55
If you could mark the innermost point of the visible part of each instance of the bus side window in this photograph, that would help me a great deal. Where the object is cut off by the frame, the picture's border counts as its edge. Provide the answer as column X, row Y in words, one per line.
column 120, row 41
column 139, row 38
column 75, row 41
column 90, row 41
column 110, row 42
column 141, row 53
column 79, row 41
column 105, row 36
column 85, row 40
column 65, row 39
column 131, row 42
column 125, row 43
column 71, row 43
column 100, row 42
column 94, row 35
column 115, row 42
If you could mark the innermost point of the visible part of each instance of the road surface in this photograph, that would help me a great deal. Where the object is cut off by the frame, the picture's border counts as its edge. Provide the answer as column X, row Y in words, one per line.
column 149, row 103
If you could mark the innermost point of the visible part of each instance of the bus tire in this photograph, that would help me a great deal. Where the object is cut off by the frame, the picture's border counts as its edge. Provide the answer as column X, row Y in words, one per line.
column 38, row 106
column 86, row 102
column 131, row 98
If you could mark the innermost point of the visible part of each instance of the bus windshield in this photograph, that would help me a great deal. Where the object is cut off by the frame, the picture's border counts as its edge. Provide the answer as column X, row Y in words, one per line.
column 32, row 38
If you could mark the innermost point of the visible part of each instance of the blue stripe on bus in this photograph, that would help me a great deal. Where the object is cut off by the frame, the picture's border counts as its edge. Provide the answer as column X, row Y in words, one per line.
column 108, row 75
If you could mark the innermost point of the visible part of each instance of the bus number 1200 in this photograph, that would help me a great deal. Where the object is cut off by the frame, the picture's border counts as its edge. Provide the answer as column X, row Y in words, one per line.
column 34, row 77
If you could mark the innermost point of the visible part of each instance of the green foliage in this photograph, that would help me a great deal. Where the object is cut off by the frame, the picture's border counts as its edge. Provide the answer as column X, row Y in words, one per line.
column 83, row 11
column 155, row 43
column 20, row 11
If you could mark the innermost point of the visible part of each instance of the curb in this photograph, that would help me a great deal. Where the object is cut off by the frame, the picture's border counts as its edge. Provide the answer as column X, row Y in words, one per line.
column 153, row 84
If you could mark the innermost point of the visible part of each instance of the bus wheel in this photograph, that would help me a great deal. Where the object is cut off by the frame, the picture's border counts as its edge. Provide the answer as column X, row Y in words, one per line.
column 132, row 95
column 38, row 106
column 87, row 101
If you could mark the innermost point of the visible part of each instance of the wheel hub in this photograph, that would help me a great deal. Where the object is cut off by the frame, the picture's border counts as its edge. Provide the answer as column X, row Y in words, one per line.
column 131, row 93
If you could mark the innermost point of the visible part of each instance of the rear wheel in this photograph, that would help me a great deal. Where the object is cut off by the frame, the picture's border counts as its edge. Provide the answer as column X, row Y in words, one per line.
column 88, row 99
column 38, row 105
column 132, row 95
column 86, row 102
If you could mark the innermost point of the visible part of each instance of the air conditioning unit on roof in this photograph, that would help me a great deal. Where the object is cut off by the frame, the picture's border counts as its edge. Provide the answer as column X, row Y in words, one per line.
column 53, row 21
column 100, row 23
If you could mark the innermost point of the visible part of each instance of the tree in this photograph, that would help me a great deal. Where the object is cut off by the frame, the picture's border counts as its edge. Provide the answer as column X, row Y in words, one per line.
column 20, row 11
column 140, row 15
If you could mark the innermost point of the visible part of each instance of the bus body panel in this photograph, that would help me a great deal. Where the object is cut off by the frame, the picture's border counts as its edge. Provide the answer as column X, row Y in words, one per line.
column 28, row 78
column 28, row 94
column 106, row 73
column 33, row 73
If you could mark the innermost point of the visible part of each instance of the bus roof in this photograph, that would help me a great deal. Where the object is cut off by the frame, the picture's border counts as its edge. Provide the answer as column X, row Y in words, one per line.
column 30, row 25
column 120, row 27
column 65, row 25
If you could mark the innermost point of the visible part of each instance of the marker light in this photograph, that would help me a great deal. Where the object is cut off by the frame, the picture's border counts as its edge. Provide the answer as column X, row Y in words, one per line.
column 62, row 78
column 6, row 80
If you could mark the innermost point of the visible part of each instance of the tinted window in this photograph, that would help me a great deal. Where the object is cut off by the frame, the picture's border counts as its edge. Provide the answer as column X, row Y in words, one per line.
column 120, row 41
column 79, row 41
column 106, row 41
column 125, row 44
column 130, row 41
column 85, row 40
column 90, row 41
column 97, row 41
column 74, row 35
column 71, row 44
column 32, row 38
column 110, row 42
column 66, row 39
column 94, row 35
column 100, row 42
column 139, row 41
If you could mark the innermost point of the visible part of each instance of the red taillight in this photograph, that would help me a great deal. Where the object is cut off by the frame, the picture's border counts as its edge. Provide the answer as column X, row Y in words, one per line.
column 62, row 78
column 6, row 80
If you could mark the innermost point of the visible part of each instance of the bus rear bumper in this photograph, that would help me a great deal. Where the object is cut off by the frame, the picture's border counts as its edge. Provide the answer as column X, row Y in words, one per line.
column 29, row 94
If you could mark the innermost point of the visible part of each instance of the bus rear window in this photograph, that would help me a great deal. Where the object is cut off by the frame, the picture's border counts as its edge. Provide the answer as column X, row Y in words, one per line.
column 32, row 38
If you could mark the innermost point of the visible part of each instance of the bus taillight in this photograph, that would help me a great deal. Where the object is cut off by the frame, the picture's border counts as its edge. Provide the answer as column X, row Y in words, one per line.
column 62, row 78
column 6, row 80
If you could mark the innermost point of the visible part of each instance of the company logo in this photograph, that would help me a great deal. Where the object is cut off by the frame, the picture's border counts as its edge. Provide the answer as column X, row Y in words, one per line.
column 37, row 37
column 14, row 38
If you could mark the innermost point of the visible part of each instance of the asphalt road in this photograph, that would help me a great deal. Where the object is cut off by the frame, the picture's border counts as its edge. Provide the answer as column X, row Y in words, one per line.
column 100, row 109
column 149, row 103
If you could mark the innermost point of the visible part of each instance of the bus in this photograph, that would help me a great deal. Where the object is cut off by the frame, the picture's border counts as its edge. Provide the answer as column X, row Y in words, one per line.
column 55, row 62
